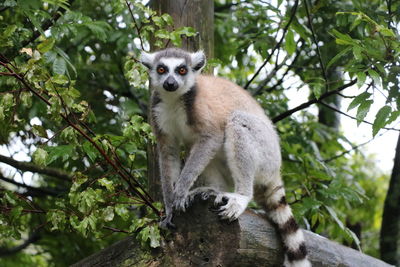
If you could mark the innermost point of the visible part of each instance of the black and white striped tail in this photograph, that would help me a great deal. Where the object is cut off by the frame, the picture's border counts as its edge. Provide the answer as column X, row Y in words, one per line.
column 292, row 236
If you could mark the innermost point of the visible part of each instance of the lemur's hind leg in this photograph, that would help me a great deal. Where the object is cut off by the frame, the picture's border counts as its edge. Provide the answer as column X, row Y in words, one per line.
column 241, row 154
column 211, row 182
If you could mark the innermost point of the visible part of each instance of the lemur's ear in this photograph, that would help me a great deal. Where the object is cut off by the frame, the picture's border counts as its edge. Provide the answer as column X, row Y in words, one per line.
column 147, row 59
column 198, row 60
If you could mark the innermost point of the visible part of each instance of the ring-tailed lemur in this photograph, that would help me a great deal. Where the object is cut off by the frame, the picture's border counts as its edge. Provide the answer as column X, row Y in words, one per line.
column 229, row 138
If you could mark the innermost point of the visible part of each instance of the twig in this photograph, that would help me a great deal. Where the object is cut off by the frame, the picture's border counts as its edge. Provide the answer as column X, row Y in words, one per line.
column 354, row 118
column 316, row 43
column 277, row 67
column 353, row 148
column 294, row 9
column 312, row 101
column 136, row 26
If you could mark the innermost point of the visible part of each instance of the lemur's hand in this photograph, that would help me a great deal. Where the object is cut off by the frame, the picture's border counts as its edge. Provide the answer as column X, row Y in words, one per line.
column 166, row 222
column 181, row 200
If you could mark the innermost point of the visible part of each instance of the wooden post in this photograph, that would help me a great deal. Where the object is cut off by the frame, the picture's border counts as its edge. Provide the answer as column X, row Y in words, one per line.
column 198, row 14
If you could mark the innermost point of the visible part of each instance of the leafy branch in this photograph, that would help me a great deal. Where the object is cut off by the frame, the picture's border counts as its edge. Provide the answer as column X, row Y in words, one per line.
column 135, row 186
column 316, row 44
column 278, row 44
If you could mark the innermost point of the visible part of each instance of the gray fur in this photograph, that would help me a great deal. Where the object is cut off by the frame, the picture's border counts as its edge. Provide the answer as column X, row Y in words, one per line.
column 244, row 152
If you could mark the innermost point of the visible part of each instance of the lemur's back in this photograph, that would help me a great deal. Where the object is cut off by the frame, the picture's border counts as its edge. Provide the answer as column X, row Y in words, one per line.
column 217, row 98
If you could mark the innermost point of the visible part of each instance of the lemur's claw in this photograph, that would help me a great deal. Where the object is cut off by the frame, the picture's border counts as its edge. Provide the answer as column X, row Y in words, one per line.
column 166, row 223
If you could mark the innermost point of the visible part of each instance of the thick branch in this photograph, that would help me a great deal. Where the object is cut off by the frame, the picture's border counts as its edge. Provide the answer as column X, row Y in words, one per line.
column 35, row 190
column 27, row 166
column 312, row 101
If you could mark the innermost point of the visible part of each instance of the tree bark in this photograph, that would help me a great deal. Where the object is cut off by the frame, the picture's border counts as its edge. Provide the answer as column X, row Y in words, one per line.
column 390, row 230
column 202, row 239
column 184, row 13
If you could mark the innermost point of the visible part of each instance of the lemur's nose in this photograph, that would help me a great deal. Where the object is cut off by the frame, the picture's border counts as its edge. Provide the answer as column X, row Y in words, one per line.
column 170, row 84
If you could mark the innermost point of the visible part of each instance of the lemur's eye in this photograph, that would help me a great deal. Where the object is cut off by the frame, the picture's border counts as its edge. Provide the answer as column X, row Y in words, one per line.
column 182, row 71
column 160, row 70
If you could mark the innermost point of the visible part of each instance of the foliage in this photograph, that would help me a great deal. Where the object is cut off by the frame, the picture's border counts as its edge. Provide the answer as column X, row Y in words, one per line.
column 73, row 100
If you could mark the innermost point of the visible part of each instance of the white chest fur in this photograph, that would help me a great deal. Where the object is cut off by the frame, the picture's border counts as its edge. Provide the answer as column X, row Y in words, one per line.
column 172, row 120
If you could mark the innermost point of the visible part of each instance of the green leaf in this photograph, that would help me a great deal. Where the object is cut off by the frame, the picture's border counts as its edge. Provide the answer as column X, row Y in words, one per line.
column 363, row 110
column 46, row 45
column 357, row 52
column 358, row 100
column 90, row 151
column 39, row 131
column 9, row 31
column 122, row 211
column 375, row 76
column 361, row 76
column 317, row 90
column 62, row 151
column 59, row 66
column 336, row 57
column 108, row 214
column 106, row 183
column 393, row 117
column 333, row 214
column 290, row 44
column 167, row 18
column 381, row 119
column 7, row 101
column 154, row 236
column 188, row 31
column 40, row 156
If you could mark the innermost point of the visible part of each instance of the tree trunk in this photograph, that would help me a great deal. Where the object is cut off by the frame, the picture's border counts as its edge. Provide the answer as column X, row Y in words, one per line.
column 202, row 239
column 328, row 116
column 184, row 13
column 390, row 230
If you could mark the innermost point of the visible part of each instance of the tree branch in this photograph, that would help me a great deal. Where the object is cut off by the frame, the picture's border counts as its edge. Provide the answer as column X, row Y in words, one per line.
column 312, row 101
column 111, row 161
column 276, row 46
column 351, row 117
column 316, row 44
column 4, row 252
column 35, row 190
column 29, row 167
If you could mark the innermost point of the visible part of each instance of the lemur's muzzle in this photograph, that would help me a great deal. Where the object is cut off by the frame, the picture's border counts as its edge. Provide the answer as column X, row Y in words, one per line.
column 170, row 84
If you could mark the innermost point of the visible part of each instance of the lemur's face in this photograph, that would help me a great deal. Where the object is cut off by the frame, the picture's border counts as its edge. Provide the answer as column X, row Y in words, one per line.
column 173, row 70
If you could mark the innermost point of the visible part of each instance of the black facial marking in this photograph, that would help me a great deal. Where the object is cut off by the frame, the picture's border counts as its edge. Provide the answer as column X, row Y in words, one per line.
column 155, row 100
column 199, row 65
column 147, row 65
column 188, row 101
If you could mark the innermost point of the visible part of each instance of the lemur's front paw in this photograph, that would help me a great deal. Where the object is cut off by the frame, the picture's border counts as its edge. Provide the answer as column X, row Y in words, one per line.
column 181, row 202
column 231, row 205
